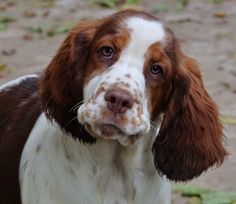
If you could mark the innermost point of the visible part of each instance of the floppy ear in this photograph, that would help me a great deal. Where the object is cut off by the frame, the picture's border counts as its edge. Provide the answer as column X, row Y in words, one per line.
column 190, row 137
column 62, row 82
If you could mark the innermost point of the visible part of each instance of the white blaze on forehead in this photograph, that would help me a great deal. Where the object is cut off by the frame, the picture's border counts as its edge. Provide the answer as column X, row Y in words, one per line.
column 143, row 33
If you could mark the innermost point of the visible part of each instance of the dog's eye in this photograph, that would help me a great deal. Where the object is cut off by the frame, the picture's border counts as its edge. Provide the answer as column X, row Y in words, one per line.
column 156, row 70
column 107, row 52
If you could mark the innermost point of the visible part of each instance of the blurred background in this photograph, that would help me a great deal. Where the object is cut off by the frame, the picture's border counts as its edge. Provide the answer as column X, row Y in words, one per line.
column 32, row 30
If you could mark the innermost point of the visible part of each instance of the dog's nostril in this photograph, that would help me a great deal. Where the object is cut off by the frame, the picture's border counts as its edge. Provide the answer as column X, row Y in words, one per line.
column 118, row 101
column 113, row 99
column 125, row 103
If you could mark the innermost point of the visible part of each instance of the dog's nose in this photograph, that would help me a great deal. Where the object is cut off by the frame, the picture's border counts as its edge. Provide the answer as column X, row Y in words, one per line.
column 118, row 101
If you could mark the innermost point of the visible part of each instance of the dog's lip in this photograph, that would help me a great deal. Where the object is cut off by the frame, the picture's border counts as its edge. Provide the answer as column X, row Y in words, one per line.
column 108, row 129
column 89, row 129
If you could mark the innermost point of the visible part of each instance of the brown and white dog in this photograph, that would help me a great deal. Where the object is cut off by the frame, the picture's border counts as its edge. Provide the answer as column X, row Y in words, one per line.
column 118, row 112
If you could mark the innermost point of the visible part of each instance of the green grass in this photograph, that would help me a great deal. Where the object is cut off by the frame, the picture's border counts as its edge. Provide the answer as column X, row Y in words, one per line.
column 198, row 195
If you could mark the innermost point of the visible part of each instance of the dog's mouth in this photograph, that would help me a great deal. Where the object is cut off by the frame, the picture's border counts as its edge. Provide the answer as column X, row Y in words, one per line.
column 111, row 132
column 108, row 130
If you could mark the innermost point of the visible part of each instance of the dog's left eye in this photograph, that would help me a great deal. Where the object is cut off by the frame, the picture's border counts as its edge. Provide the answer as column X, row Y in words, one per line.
column 107, row 52
column 156, row 70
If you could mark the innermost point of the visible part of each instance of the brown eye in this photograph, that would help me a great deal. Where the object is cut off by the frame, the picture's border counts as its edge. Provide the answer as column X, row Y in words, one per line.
column 156, row 70
column 107, row 52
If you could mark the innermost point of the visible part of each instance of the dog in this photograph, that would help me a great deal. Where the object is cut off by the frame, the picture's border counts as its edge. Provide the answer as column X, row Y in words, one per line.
column 119, row 112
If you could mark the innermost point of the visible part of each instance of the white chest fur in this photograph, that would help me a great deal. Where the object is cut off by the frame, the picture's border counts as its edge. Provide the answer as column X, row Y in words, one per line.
column 56, row 169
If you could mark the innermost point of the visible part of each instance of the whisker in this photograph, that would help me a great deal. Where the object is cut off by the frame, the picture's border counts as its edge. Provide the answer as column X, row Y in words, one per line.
column 71, row 121
column 76, row 106
column 152, row 122
column 152, row 126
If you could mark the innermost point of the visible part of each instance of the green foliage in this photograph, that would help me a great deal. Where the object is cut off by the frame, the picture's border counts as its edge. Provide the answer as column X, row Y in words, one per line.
column 219, row 198
column 161, row 8
column 107, row 3
column 114, row 3
column 62, row 29
column 195, row 200
column 200, row 195
column 49, row 31
column 228, row 120
column 3, row 67
column 216, row 1
column 178, row 6
column 132, row 2
column 3, row 26
column 35, row 29
column 189, row 190
column 184, row 2
column 4, row 20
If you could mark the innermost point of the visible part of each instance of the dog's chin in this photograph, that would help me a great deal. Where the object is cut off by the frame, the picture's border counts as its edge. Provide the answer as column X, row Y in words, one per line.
column 111, row 132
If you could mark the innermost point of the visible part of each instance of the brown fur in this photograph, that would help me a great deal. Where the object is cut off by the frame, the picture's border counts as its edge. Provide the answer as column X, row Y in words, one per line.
column 190, row 138
column 158, row 88
column 62, row 82
column 16, row 123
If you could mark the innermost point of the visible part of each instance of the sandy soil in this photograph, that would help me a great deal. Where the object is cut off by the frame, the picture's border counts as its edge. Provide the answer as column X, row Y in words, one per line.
column 206, row 31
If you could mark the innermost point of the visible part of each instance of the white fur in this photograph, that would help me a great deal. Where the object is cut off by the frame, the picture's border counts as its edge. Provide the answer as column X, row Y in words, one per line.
column 144, row 33
column 16, row 82
column 56, row 169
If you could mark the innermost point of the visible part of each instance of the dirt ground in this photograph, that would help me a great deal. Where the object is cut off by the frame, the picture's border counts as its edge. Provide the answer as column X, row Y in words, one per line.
column 205, row 29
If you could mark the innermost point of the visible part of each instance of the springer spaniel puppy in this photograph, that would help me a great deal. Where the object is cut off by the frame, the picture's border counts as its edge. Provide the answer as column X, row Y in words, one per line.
column 118, row 113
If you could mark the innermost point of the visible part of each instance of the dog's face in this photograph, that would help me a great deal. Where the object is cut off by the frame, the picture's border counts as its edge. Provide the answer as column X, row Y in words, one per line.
column 113, row 78
column 124, row 69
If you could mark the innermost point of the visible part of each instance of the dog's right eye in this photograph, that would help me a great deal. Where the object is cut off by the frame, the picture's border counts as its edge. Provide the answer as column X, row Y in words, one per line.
column 107, row 52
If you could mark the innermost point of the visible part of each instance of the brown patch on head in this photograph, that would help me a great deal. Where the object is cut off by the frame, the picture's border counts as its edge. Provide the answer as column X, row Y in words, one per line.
column 116, row 37
column 157, row 88
column 190, row 138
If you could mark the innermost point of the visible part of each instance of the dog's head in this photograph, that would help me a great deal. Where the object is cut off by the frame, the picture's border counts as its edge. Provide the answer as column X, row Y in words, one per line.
column 113, row 78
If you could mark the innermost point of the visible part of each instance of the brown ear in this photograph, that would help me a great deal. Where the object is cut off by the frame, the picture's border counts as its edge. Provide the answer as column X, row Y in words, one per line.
column 190, row 137
column 62, row 81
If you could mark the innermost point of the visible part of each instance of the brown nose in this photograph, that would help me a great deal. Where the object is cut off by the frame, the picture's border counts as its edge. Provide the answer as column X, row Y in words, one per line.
column 118, row 101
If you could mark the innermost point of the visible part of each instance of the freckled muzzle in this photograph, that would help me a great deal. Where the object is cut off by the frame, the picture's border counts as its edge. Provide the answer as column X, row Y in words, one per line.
column 117, row 109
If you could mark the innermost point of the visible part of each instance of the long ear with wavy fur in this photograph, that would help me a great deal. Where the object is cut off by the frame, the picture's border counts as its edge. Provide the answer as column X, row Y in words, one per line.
column 62, row 82
column 190, row 137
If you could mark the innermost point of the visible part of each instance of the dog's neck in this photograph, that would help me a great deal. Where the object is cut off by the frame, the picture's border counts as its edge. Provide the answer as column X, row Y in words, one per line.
column 110, row 153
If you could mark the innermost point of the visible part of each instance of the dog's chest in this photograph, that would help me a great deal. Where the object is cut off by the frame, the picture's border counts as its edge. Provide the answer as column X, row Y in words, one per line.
column 56, row 169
